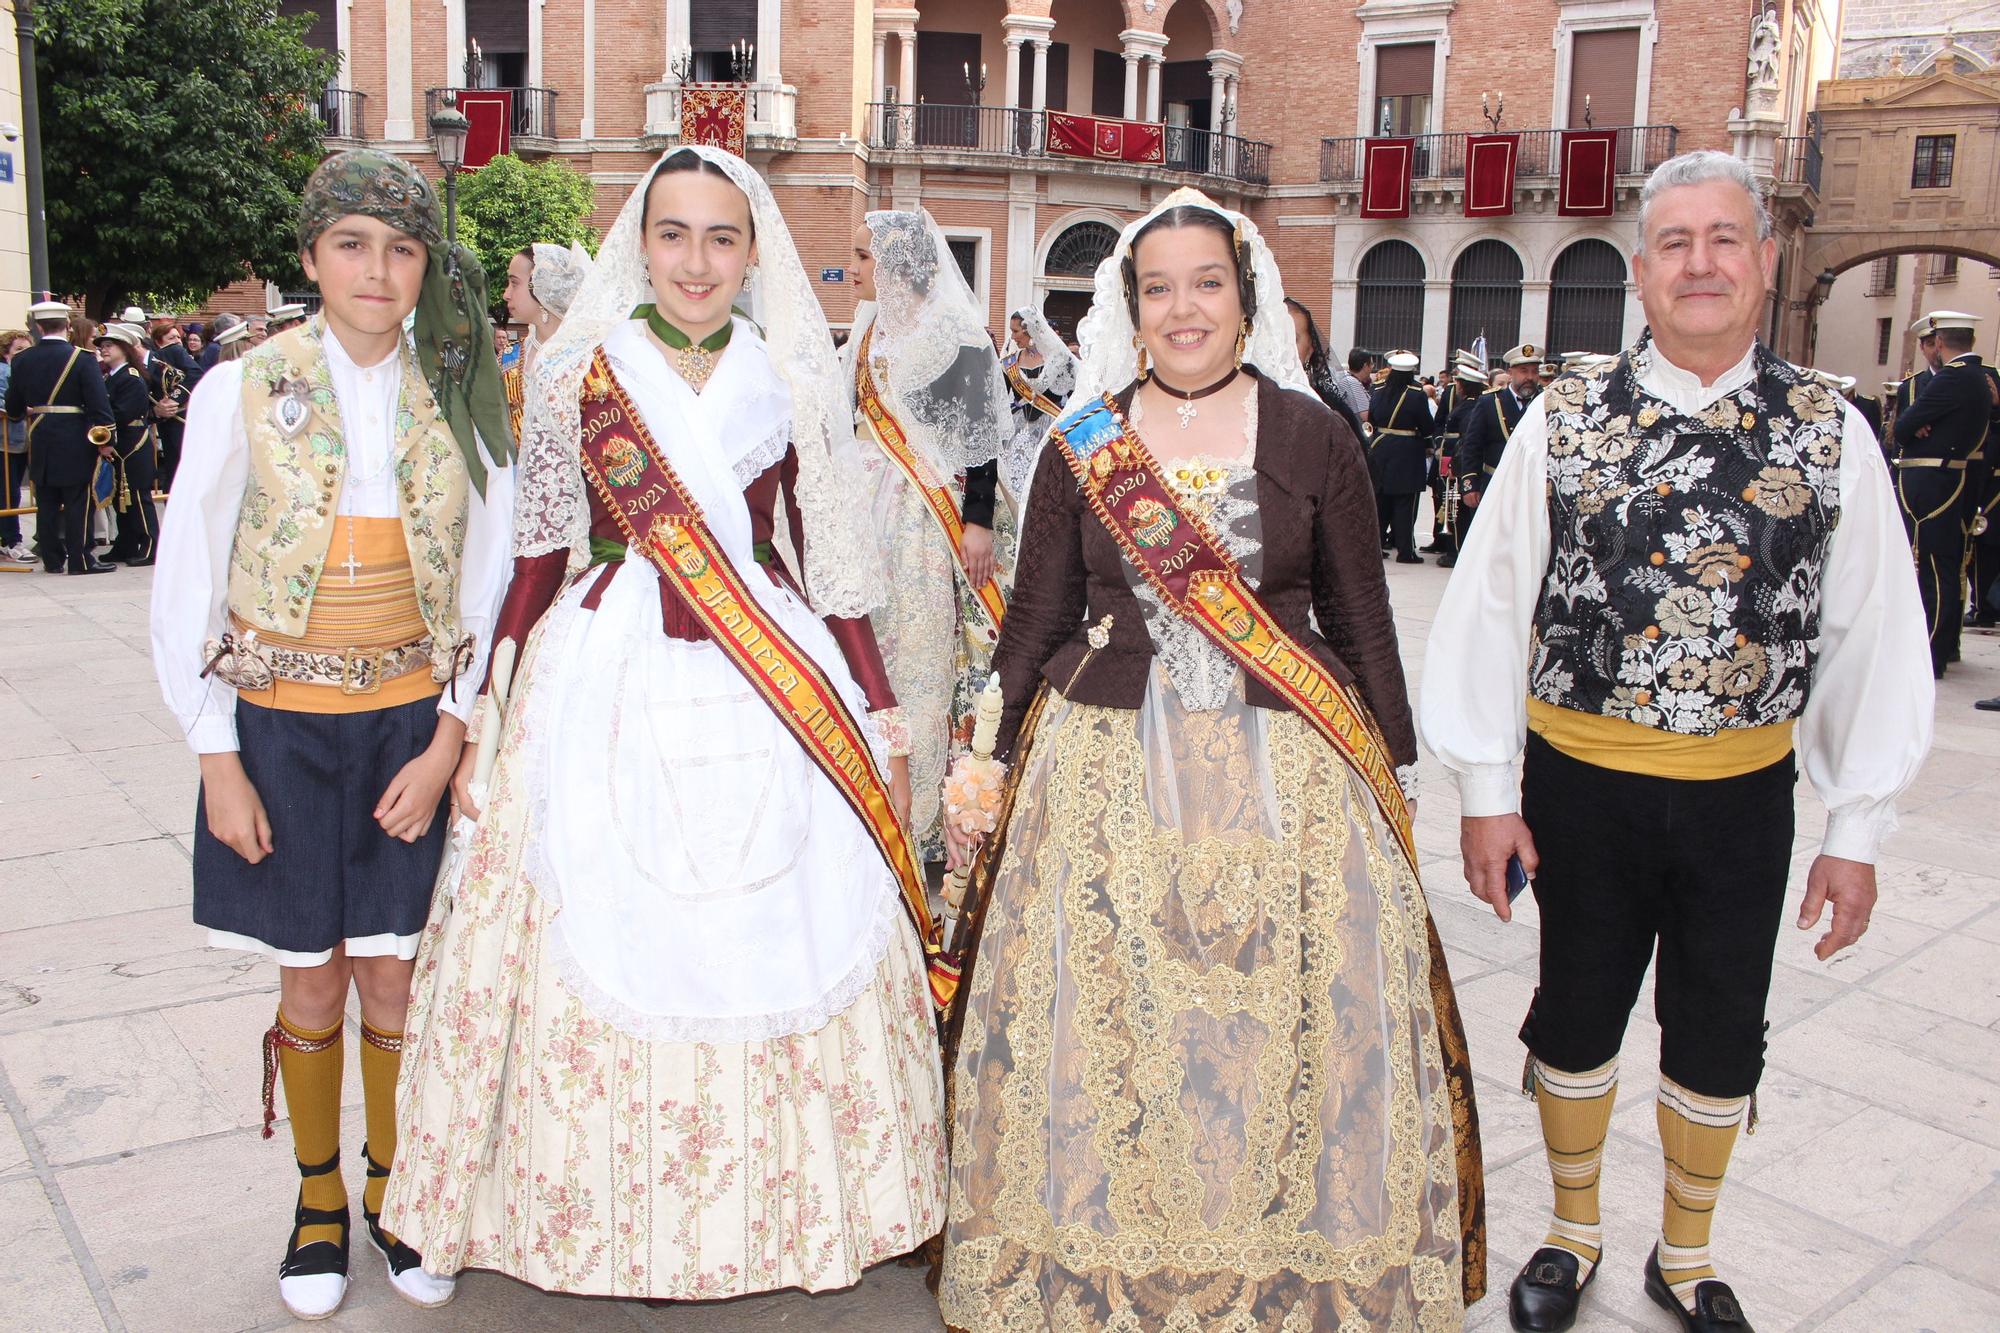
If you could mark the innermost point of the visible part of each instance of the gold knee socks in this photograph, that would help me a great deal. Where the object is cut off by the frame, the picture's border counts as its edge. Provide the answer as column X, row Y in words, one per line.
column 381, row 1061
column 1576, row 1115
column 310, row 1062
column 1697, row 1134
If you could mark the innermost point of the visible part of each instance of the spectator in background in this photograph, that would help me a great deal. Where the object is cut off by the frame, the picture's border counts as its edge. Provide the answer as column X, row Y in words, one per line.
column 196, row 343
column 14, row 457
column 260, row 329
column 1353, row 385
column 218, row 326
column 1320, row 371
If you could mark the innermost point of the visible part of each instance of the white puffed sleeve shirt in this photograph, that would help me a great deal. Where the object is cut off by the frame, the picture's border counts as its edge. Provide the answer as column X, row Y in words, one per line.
column 1866, row 726
column 191, row 574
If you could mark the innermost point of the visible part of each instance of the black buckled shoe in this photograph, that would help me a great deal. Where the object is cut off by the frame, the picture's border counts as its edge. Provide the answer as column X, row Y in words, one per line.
column 1716, row 1309
column 426, row 1291
column 1545, row 1297
column 312, row 1279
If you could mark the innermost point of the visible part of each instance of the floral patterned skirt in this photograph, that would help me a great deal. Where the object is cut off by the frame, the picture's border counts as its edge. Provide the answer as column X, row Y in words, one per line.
column 1201, row 1080
column 539, row 1140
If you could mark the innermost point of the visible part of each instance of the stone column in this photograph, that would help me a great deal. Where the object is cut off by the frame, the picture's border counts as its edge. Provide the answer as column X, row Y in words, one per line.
column 1132, row 58
column 1041, row 88
column 907, row 89
column 1012, row 92
column 454, row 44
column 881, row 67
column 1437, row 324
column 1535, row 314
column 1156, row 69
column 1218, row 87
column 399, row 115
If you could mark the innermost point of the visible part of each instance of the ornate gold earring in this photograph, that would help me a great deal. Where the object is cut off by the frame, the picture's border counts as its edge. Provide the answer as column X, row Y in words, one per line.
column 1242, row 339
column 1139, row 345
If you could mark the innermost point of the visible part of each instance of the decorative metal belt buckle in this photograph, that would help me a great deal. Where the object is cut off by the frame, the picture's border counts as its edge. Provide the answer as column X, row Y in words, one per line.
column 361, row 670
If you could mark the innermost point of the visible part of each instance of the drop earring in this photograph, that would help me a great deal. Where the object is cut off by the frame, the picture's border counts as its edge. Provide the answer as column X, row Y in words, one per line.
column 1139, row 346
column 1242, row 340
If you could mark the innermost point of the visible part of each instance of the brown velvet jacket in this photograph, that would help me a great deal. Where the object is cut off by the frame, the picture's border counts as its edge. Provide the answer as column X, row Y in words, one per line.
column 1322, row 563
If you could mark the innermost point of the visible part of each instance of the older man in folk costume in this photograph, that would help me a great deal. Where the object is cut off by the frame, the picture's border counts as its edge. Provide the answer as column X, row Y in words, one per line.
column 932, row 414
column 329, row 573
column 1688, row 561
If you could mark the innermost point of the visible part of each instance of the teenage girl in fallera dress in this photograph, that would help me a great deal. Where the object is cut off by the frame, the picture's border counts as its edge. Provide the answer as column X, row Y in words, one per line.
column 673, row 1038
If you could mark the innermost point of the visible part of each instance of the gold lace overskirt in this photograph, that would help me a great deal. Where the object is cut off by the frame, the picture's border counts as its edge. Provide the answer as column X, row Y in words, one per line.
column 1199, row 1082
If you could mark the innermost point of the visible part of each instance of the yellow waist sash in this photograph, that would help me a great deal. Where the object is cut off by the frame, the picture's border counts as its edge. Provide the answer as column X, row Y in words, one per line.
column 378, row 609
column 1612, row 742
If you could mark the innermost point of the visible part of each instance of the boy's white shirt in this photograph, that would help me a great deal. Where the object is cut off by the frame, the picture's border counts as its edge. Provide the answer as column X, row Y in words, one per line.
column 191, row 574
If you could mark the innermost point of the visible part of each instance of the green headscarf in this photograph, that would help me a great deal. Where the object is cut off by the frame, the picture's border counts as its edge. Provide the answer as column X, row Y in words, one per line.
column 453, row 335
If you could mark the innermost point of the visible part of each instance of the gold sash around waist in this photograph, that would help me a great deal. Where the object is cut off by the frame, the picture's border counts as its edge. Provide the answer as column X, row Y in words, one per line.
column 376, row 609
column 1614, row 743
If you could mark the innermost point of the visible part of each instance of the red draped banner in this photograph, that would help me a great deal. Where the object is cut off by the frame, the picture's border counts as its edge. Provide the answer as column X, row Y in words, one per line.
column 1105, row 140
column 1385, row 177
column 715, row 117
column 1489, row 174
column 490, row 114
column 1589, row 170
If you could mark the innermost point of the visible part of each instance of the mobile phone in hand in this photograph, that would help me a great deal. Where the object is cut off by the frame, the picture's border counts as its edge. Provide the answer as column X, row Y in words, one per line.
column 1517, row 879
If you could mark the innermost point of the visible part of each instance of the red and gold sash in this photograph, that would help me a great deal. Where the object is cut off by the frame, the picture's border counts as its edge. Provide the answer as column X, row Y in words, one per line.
column 1029, row 394
column 662, row 521
column 1195, row 576
column 889, row 434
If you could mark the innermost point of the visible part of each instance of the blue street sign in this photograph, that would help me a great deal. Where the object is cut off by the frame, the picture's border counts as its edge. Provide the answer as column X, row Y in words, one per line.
column 825, row 274
column 6, row 168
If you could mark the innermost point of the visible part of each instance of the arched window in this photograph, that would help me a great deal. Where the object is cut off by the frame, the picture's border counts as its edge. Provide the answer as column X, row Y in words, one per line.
column 1587, row 299
column 1389, row 298
column 1078, row 251
column 1486, row 297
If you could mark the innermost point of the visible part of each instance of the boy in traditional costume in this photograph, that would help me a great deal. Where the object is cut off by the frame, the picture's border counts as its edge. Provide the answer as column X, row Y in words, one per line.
column 329, row 574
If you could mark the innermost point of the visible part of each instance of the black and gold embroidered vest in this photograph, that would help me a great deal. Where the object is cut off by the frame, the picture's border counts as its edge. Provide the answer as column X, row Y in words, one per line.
column 1683, row 586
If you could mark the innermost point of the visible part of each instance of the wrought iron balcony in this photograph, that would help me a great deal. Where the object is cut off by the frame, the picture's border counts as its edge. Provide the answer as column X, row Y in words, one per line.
column 773, row 107
column 340, row 112
column 1799, row 160
column 1005, row 131
column 534, row 116
column 1441, row 157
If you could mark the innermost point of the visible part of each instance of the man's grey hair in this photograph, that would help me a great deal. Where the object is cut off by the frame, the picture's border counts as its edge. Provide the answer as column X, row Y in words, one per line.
column 1699, row 168
column 223, row 323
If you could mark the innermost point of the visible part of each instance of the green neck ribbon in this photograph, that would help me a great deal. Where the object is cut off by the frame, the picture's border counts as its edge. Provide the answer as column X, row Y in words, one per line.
column 677, row 340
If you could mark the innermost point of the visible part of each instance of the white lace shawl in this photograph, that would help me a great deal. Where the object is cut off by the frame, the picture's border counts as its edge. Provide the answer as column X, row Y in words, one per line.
column 1059, row 364
column 843, row 571
column 934, row 360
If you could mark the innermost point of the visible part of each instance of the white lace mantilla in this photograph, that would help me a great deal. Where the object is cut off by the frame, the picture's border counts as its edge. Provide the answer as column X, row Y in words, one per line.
column 1223, row 491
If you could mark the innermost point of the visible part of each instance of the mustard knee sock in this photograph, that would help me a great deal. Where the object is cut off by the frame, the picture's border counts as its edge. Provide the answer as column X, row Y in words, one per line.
column 1576, row 1115
column 381, row 1061
column 1697, row 1134
column 310, row 1062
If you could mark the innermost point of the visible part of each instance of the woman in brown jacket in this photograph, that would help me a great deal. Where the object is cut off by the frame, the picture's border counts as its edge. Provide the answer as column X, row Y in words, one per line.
column 1207, row 1070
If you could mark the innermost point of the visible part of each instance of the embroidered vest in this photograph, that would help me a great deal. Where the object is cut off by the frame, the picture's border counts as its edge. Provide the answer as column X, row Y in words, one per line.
column 298, row 461
column 1683, row 585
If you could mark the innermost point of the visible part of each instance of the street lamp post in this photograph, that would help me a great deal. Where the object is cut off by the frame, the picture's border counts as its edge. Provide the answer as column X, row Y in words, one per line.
column 449, row 129
column 31, row 154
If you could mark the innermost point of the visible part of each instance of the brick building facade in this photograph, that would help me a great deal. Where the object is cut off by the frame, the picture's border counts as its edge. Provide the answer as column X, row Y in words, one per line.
column 939, row 102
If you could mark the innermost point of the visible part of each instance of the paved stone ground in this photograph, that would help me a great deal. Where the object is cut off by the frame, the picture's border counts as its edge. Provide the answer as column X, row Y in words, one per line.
column 136, row 1194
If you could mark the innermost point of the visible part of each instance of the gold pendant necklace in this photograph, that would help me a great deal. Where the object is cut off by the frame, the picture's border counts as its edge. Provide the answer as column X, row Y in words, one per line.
column 696, row 364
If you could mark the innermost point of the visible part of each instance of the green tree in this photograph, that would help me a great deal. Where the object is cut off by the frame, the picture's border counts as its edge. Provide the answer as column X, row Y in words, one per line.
column 514, row 203
column 176, row 137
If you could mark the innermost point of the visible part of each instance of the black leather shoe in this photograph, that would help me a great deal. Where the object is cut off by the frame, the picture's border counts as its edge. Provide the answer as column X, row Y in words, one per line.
column 1989, row 705
column 1447, row 561
column 1409, row 558
column 95, row 567
column 1545, row 1297
column 1715, row 1306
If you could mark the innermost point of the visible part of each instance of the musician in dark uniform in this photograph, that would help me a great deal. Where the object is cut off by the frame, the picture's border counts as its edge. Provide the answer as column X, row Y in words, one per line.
column 1936, row 437
column 136, row 446
column 58, row 390
column 1450, row 396
column 1486, row 430
column 1468, row 387
column 1982, row 530
column 171, row 374
column 1400, row 412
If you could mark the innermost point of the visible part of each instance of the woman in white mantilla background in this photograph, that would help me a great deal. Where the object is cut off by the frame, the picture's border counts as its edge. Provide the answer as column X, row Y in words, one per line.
column 542, row 280
column 931, row 415
column 1208, row 1073
column 1041, row 371
column 672, row 1037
